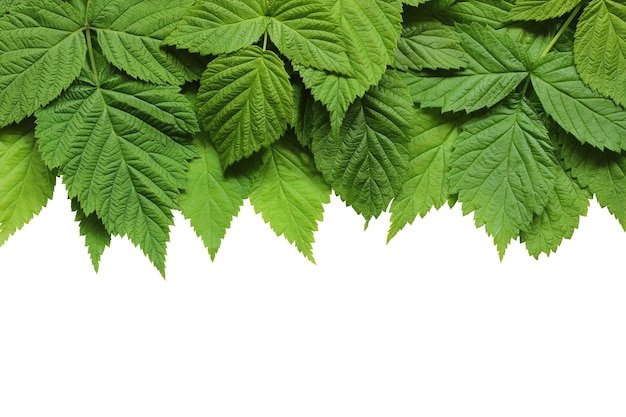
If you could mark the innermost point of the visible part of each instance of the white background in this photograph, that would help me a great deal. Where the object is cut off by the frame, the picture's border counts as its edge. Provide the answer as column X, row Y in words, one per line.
column 432, row 324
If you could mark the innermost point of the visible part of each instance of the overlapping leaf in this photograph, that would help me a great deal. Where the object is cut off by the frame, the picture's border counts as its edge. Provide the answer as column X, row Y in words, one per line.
column 496, row 66
column 366, row 159
column 26, row 184
column 244, row 102
column 428, row 174
column 503, row 170
column 211, row 198
column 493, row 13
column 541, row 9
column 97, row 237
column 600, row 48
column 290, row 193
column 214, row 27
column 130, row 33
column 114, row 141
column 42, row 50
column 370, row 31
column 579, row 110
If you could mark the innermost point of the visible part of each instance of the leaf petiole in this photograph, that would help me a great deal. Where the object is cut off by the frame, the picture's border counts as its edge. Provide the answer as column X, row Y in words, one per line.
column 561, row 30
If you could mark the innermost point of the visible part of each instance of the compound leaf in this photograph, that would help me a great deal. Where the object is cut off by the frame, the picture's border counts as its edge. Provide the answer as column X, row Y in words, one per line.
column 589, row 116
column 503, row 169
column 114, row 140
column 305, row 31
column 371, row 29
column 130, row 33
column 211, row 199
column 42, row 50
column 496, row 66
column 245, row 102
column 26, row 184
column 600, row 48
column 213, row 27
column 428, row 173
column 492, row 13
column 541, row 9
column 290, row 193
column 366, row 159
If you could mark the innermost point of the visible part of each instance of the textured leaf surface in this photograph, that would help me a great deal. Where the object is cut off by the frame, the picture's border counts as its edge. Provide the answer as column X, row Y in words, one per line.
column 97, row 237
column 579, row 110
column 503, row 171
column 366, row 160
column 214, row 27
column 492, row 13
column 5, row 5
column 428, row 174
column 306, row 32
column 42, row 50
column 115, row 145
column 600, row 48
column 211, row 199
column 130, row 33
column 603, row 173
column 496, row 66
column 370, row 31
column 429, row 45
column 541, row 9
column 26, row 184
column 290, row 193
column 245, row 102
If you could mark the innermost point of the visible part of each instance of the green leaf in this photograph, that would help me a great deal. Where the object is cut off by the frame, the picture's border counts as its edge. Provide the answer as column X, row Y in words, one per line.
column 42, row 50
column 414, row 2
column 603, row 173
column 366, row 159
column 26, row 184
column 245, row 102
column 6, row 5
column 290, row 193
column 428, row 173
column 214, row 27
column 371, row 29
column 211, row 199
column 503, row 170
column 496, row 66
column 97, row 237
column 541, row 9
column 579, row 110
column 310, row 118
column 600, row 48
column 429, row 44
column 492, row 13
column 114, row 140
column 130, row 33
column 306, row 32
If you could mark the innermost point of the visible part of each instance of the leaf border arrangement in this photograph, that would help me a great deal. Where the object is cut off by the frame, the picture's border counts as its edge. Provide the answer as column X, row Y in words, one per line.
column 513, row 109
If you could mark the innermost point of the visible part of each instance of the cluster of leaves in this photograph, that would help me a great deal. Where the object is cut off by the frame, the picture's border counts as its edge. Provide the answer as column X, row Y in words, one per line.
column 514, row 109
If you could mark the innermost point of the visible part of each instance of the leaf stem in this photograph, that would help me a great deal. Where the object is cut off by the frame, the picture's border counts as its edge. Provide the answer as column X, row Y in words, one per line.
column 265, row 41
column 92, row 58
column 561, row 30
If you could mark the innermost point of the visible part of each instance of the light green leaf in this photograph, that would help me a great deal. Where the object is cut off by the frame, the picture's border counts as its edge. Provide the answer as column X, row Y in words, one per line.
column 370, row 31
column 5, row 5
column 541, row 9
column 115, row 143
column 366, row 159
column 503, row 170
column 211, row 199
column 214, row 27
column 492, row 13
column 429, row 44
column 579, row 110
column 414, row 2
column 496, row 66
column 306, row 32
column 130, row 33
column 26, row 184
column 42, row 49
column 603, row 173
column 245, row 102
column 97, row 237
column 600, row 48
column 428, row 174
column 290, row 193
